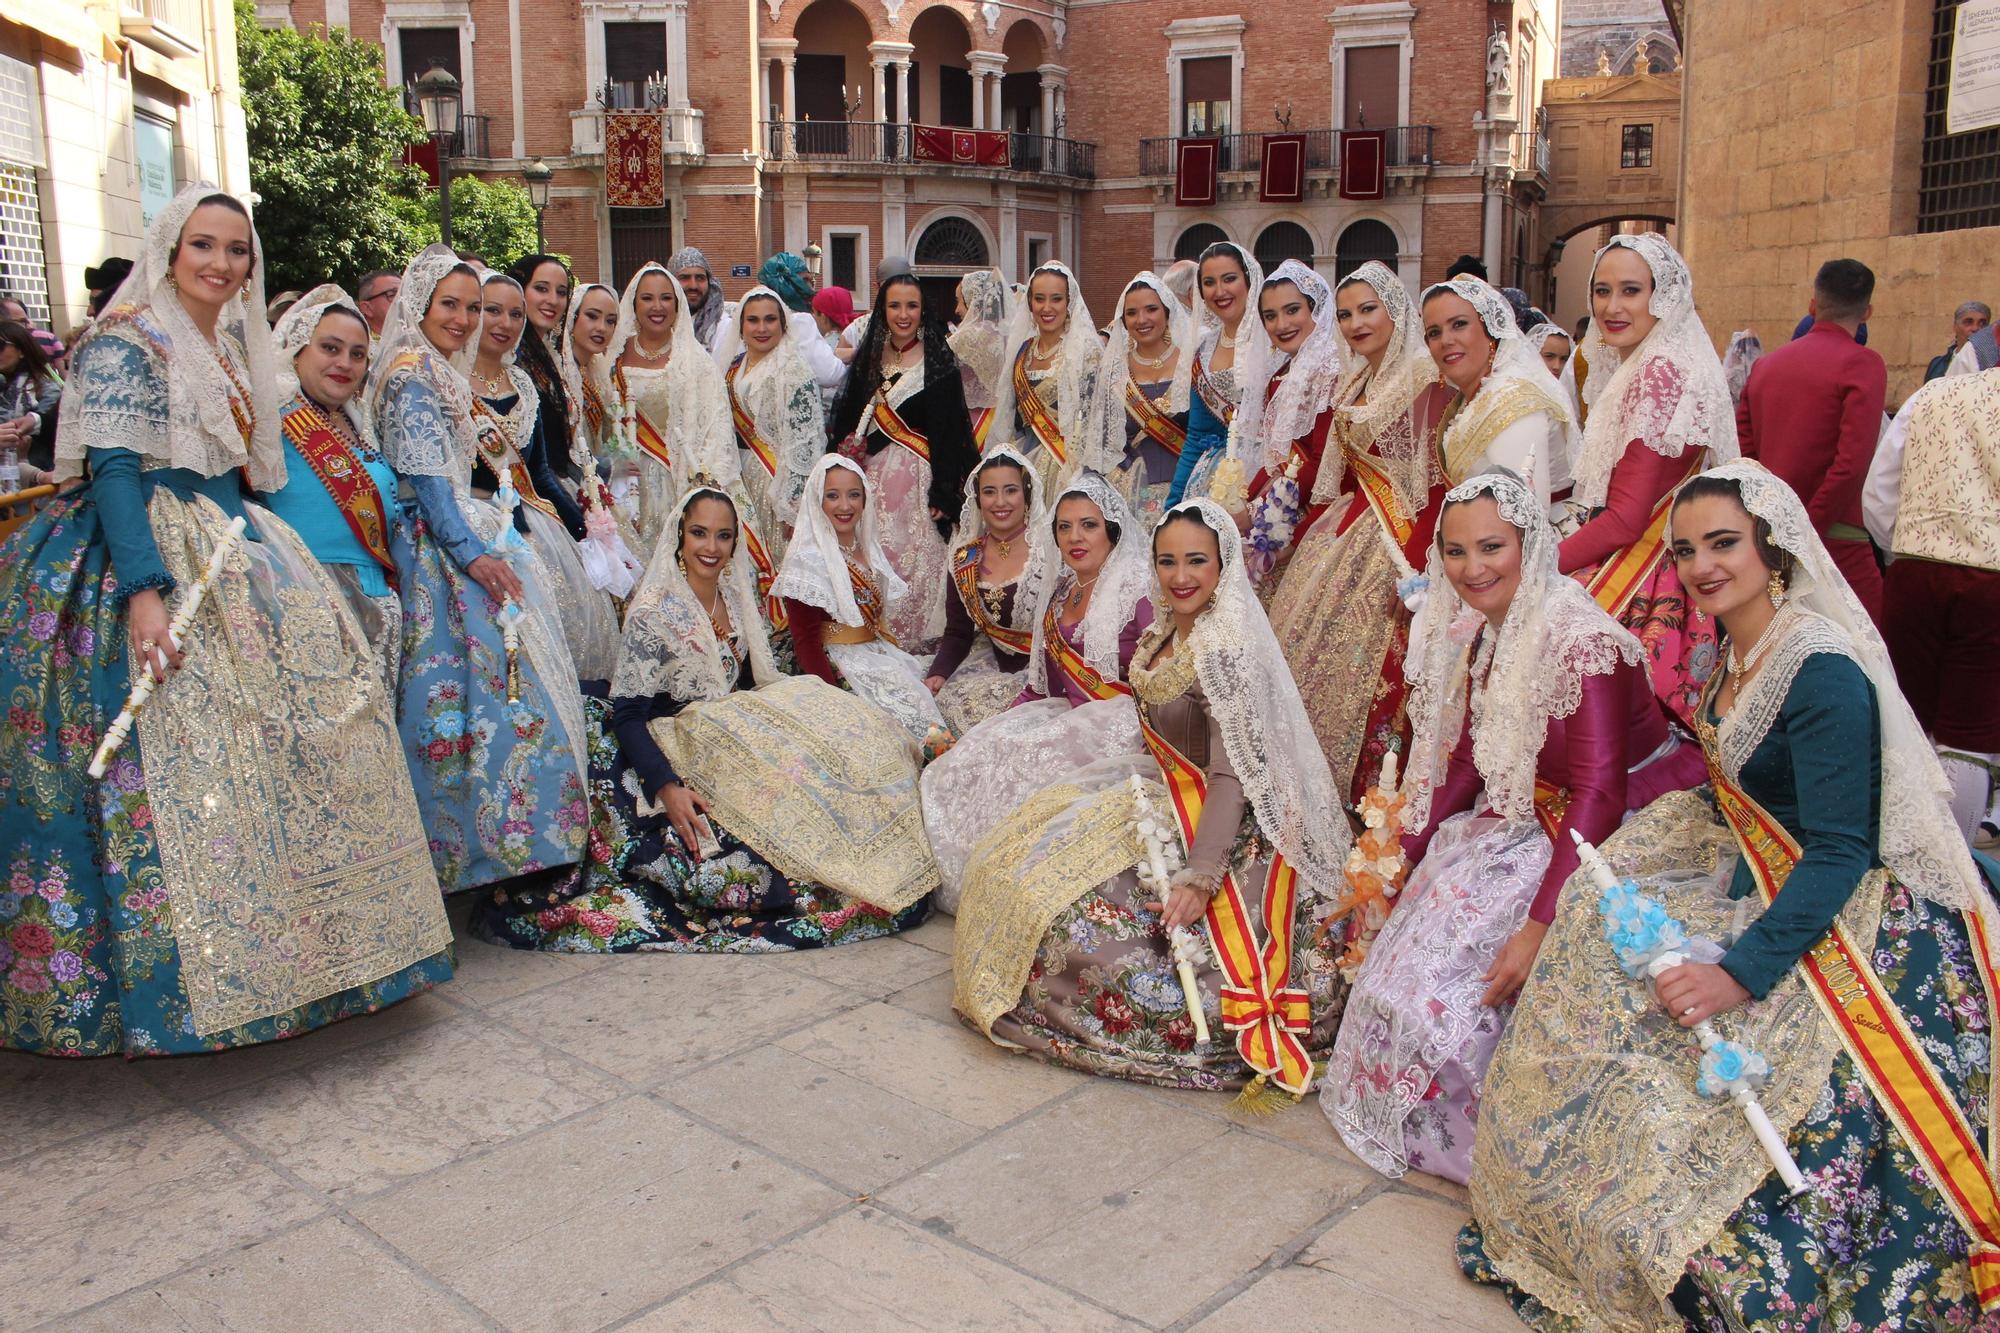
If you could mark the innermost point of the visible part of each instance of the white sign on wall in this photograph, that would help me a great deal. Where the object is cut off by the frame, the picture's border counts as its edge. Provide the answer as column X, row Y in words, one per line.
column 153, row 153
column 1974, row 101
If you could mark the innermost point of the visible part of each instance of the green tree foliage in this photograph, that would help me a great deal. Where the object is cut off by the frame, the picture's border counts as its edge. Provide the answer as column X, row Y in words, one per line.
column 326, row 155
column 493, row 219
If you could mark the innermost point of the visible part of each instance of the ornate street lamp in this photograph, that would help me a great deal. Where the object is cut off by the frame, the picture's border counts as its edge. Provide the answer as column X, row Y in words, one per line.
column 813, row 256
column 437, row 94
column 539, row 175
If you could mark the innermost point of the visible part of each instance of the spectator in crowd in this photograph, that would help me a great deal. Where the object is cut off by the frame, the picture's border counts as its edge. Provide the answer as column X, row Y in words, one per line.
column 103, row 280
column 377, row 293
column 13, row 308
column 29, row 392
column 280, row 303
column 1468, row 264
column 703, row 292
column 1966, row 321
column 1811, row 413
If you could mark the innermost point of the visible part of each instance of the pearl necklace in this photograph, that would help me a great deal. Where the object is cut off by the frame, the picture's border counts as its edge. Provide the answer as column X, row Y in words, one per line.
column 1750, row 661
column 1041, row 355
column 1154, row 363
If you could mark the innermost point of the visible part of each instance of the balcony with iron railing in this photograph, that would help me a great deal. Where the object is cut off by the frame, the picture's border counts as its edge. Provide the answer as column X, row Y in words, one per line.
column 1532, row 153
column 1408, row 146
column 173, row 28
column 892, row 144
column 682, row 139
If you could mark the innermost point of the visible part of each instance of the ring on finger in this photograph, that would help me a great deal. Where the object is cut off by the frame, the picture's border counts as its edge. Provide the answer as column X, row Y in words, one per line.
column 1688, row 1012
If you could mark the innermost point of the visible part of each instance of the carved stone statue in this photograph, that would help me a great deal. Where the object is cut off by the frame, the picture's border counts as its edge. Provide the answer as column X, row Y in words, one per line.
column 1499, row 63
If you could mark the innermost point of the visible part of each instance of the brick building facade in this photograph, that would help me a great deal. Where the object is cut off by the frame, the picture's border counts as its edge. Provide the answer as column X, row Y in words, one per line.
column 793, row 121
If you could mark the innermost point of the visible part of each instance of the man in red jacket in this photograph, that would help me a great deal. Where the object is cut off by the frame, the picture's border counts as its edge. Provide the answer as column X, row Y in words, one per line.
column 1812, row 413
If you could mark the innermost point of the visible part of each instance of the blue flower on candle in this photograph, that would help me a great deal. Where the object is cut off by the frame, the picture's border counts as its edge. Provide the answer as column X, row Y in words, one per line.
column 1638, row 928
column 1728, row 1065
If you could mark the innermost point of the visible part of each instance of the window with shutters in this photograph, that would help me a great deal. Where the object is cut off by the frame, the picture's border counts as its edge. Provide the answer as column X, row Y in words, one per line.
column 1372, row 90
column 634, row 54
column 1958, row 184
column 24, row 271
column 638, row 236
column 1635, row 148
column 1205, row 104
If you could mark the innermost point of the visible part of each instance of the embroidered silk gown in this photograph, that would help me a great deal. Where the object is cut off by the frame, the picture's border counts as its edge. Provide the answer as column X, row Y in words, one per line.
column 905, row 476
column 1154, row 442
column 500, row 782
column 1337, row 611
column 1211, row 407
column 1594, row 1082
column 1056, row 953
column 983, row 654
column 130, row 921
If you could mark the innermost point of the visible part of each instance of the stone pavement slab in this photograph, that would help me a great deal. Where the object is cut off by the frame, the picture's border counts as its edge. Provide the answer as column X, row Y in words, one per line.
column 785, row 1142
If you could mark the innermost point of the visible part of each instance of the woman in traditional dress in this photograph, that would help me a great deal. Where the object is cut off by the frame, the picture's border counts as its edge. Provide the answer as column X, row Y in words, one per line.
column 904, row 402
column 1555, row 346
column 339, row 494
column 593, row 319
column 1660, row 412
column 1505, row 411
column 1141, row 422
column 979, row 341
column 1060, row 949
column 774, row 404
column 839, row 590
column 1526, row 692
column 513, row 440
column 1340, row 610
column 1049, row 387
column 496, row 739
column 1229, row 342
column 545, row 286
column 761, row 812
column 1605, row 1189
column 669, row 410
column 129, row 922
column 1091, row 587
column 988, row 621
column 606, row 549
column 1282, row 454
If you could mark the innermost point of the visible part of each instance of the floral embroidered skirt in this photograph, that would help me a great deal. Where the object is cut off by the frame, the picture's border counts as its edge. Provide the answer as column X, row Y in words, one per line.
column 1872, row 1245
column 499, row 783
column 640, row 889
column 99, row 915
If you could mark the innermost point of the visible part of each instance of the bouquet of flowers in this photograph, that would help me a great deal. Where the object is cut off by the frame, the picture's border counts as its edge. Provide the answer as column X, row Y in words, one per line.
column 1375, row 869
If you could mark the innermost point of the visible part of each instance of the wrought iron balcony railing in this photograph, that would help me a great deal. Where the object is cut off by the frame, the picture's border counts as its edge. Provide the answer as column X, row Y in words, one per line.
column 1409, row 146
column 888, row 143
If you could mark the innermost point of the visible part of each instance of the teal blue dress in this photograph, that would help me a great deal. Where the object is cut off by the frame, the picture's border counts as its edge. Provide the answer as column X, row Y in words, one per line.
column 89, row 963
column 1872, row 1246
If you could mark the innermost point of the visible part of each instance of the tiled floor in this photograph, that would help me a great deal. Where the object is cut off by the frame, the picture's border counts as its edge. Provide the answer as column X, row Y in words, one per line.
column 655, row 1143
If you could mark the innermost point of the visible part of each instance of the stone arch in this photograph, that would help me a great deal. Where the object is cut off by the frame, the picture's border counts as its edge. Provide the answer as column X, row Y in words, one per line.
column 1196, row 237
column 1282, row 238
column 950, row 248
column 1363, row 239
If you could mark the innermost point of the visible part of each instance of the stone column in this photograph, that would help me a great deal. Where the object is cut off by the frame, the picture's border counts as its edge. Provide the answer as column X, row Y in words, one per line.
column 978, row 99
column 903, row 92
column 879, row 111
column 1048, row 104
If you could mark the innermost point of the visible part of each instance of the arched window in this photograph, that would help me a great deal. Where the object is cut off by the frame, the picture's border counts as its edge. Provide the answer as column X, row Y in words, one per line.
column 1361, row 242
column 1197, row 239
column 951, row 242
column 1281, row 241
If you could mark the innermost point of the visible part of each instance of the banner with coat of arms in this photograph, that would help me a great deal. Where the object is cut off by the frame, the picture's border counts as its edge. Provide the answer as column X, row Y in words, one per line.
column 967, row 148
column 635, row 168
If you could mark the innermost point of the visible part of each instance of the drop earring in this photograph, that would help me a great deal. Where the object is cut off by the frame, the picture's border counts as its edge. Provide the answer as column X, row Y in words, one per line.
column 1775, row 589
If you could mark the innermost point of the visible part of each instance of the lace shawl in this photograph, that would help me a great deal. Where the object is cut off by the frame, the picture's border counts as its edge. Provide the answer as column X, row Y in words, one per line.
column 972, row 526
column 1074, row 372
column 669, row 645
column 1104, row 440
column 1263, row 721
column 980, row 340
column 1526, row 674
column 207, row 383
column 1208, row 327
column 1517, row 385
column 447, row 452
column 700, row 436
column 1125, row 580
column 574, row 373
column 815, row 568
column 1406, row 368
column 1309, row 374
column 1918, row 840
column 1669, row 392
column 782, row 397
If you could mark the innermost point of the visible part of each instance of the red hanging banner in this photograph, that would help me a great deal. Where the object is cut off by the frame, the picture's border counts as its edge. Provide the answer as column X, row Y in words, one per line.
column 1194, row 172
column 635, row 169
column 1282, row 180
column 966, row 148
column 1364, row 164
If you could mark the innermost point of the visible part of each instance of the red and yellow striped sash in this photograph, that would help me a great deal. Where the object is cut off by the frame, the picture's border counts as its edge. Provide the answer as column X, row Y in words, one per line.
column 1162, row 429
column 982, row 426
column 1211, row 393
column 497, row 443
column 1373, row 482
column 890, row 422
column 1618, row 580
column 747, row 434
column 965, row 574
column 1028, row 400
column 644, row 433
column 1070, row 662
column 1877, row 1037
column 1269, row 1017
column 767, row 572
column 347, row 481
